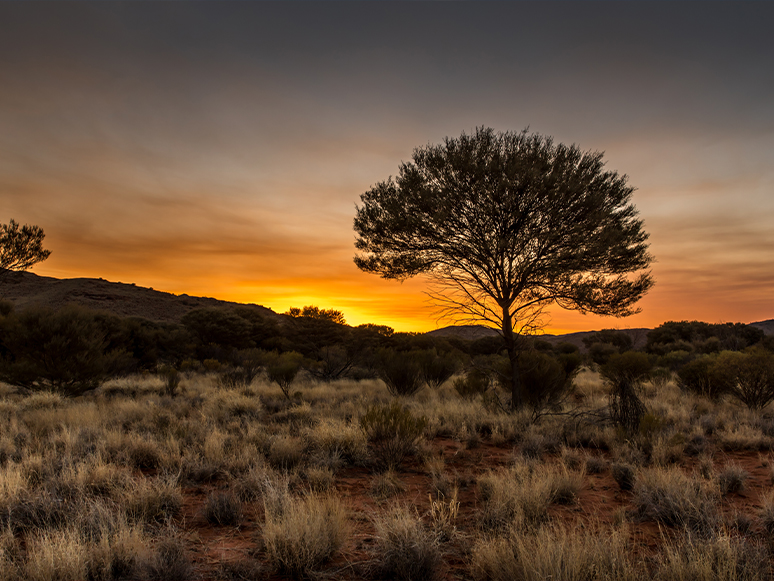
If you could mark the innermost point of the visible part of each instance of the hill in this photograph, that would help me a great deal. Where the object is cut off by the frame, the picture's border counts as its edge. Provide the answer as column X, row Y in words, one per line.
column 766, row 326
column 126, row 300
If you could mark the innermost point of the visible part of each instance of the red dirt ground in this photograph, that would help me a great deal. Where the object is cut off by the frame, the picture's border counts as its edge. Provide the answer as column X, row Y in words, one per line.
column 600, row 503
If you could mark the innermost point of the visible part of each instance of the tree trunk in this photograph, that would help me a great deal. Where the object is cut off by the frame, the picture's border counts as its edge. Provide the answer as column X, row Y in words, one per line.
column 517, row 397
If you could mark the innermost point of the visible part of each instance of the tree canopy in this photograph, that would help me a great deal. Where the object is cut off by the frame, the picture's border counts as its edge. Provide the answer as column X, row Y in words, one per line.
column 506, row 224
column 21, row 246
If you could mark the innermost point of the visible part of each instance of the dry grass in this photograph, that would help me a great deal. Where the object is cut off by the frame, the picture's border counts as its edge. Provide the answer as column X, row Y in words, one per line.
column 92, row 488
column 554, row 553
column 304, row 533
column 405, row 548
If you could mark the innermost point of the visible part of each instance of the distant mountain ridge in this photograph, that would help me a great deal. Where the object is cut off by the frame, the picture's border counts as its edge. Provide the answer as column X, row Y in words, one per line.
column 126, row 300
column 129, row 300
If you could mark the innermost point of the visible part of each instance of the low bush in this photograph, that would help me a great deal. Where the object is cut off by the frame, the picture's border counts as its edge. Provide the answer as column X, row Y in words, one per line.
column 223, row 509
column 555, row 553
column 401, row 372
column 405, row 549
column 305, row 533
column 625, row 373
column 671, row 498
column 392, row 432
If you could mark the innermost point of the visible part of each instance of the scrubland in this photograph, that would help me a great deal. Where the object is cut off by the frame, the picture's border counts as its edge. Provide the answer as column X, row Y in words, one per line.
column 341, row 480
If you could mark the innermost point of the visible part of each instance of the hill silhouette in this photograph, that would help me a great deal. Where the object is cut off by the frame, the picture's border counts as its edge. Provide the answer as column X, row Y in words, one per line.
column 25, row 289
column 129, row 300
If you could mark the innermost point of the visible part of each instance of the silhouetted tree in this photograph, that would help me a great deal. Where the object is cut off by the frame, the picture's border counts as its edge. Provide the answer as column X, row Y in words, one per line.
column 507, row 224
column 21, row 246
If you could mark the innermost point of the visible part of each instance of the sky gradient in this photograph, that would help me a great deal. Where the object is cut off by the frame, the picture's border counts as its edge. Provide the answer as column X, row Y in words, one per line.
column 219, row 149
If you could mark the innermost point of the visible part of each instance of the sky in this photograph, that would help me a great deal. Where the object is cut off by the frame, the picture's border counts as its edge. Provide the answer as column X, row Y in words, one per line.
column 220, row 148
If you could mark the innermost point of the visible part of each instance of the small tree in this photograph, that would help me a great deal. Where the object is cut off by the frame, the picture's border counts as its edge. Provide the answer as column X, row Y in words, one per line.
column 506, row 224
column 21, row 247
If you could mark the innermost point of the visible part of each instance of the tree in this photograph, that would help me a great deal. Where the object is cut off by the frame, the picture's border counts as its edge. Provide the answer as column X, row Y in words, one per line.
column 506, row 224
column 21, row 246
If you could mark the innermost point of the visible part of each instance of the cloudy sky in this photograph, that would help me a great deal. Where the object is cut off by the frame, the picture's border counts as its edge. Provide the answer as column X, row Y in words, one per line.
column 219, row 149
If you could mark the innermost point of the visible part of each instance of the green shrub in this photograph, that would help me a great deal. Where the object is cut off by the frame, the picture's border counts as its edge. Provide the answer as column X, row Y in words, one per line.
column 64, row 350
column 437, row 368
column 401, row 372
column 393, row 432
column 625, row 373
column 282, row 368
column 754, row 379
column 474, row 383
column 545, row 379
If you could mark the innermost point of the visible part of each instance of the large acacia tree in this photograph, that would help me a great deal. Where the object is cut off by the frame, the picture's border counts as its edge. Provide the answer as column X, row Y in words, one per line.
column 507, row 224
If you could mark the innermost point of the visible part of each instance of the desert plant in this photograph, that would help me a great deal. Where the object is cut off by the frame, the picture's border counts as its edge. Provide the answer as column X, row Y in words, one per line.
column 63, row 350
column 392, row 432
column 670, row 497
column 437, row 368
column 625, row 373
column 386, row 485
column 732, row 479
column 472, row 384
column 405, row 549
column 401, row 372
column 624, row 475
column 304, row 534
column 555, row 553
column 223, row 509
column 282, row 368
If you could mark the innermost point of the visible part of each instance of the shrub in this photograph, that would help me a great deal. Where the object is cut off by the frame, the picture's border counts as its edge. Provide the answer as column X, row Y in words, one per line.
column 474, row 383
column 732, row 479
column 223, row 508
column 437, row 368
column 670, row 497
column 386, row 485
column 625, row 373
column 282, row 368
column 304, row 534
column 401, row 372
column 405, row 549
column 754, row 380
column 544, row 379
column 721, row 558
column 555, row 553
column 393, row 432
column 63, row 350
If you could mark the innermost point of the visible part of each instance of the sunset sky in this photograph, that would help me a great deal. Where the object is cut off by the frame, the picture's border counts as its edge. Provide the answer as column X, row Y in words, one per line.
column 219, row 149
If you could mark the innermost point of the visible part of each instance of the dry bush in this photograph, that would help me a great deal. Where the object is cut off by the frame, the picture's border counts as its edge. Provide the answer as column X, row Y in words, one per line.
column 766, row 514
column 519, row 497
column 668, row 496
column 58, row 554
column 305, row 533
column 152, row 500
column 405, row 549
column 392, row 432
column 555, row 553
column 721, row 558
column 171, row 561
column 624, row 475
column 223, row 509
column 286, row 452
column 334, row 438
column 386, row 485
column 319, row 479
column 732, row 479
